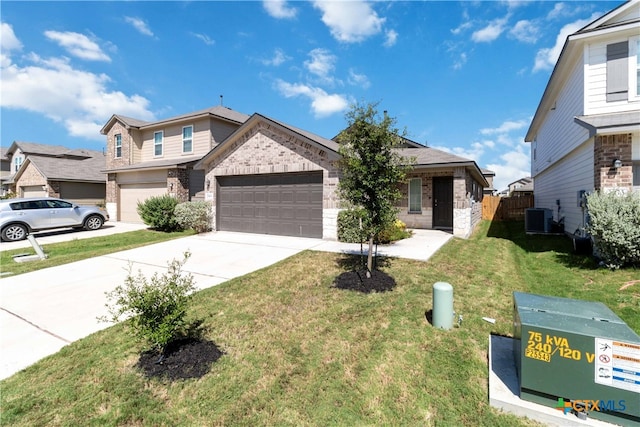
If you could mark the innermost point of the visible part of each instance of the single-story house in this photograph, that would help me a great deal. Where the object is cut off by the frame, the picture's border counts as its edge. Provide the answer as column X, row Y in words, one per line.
column 272, row 178
column 56, row 171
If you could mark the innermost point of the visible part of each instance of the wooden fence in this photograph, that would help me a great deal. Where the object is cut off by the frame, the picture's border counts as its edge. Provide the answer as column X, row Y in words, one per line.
column 495, row 208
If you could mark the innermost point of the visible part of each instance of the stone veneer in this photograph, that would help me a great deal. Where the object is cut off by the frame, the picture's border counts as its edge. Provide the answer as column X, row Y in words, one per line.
column 178, row 184
column 606, row 149
column 267, row 149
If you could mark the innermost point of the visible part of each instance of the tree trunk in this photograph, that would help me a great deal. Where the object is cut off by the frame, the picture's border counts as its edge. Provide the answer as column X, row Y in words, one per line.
column 370, row 258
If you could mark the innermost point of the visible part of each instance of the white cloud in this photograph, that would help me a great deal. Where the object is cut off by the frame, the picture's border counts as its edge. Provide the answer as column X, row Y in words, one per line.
column 505, row 127
column 321, row 64
column 79, row 100
column 474, row 152
column 278, row 58
column 491, row 32
column 205, row 38
column 322, row 103
column 460, row 61
column 350, row 21
column 525, row 31
column 360, row 80
column 515, row 165
column 139, row 25
column 391, row 39
column 8, row 43
column 279, row 9
column 546, row 58
column 78, row 45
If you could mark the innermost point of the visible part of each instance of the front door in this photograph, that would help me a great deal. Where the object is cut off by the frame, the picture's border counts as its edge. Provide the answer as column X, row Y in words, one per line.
column 443, row 202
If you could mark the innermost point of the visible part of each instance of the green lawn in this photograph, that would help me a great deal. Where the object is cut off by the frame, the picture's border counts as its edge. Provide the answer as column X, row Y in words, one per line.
column 299, row 351
column 79, row 249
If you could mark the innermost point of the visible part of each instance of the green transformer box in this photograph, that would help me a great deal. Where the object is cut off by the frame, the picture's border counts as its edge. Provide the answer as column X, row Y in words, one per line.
column 576, row 356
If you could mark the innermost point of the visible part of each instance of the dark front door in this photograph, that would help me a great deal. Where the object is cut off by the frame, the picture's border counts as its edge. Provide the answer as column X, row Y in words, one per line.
column 443, row 202
column 283, row 204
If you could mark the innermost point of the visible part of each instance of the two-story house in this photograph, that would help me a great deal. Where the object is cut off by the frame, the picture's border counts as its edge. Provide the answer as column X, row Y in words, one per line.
column 585, row 134
column 146, row 159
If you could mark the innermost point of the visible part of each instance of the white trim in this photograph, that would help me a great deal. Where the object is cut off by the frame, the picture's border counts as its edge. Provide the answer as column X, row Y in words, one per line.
column 634, row 66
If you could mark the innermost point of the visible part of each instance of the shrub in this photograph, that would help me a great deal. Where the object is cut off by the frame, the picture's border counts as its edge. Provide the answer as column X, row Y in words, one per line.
column 614, row 223
column 396, row 231
column 349, row 230
column 158, row 213
column 155, row 308
column 194, row 215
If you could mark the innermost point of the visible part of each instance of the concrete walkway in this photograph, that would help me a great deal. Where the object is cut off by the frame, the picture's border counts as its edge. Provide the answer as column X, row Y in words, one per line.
column 42, row 311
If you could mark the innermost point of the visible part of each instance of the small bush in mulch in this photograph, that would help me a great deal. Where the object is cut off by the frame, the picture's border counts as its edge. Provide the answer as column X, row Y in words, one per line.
column 182, row 359
column 359, row 282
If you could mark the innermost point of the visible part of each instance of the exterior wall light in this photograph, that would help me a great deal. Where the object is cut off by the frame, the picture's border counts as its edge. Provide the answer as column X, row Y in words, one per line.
column 617, row 164
column 208, row 184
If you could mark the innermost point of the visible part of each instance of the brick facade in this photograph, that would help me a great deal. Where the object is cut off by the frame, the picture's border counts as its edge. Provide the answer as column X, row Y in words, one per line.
column 31, row 177
column 606, row 149
column 266, row 149
column 178, row 183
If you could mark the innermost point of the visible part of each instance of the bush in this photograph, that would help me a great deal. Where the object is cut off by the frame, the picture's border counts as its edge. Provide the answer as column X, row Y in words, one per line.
column 155, row 308
column 349, row 228
column 158, row 213
column 194, row 215
column 396, row 231
column 614, row 224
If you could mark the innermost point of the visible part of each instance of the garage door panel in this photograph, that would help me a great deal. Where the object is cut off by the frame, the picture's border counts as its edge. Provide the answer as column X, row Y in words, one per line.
column 284, row 204
column 132, row 194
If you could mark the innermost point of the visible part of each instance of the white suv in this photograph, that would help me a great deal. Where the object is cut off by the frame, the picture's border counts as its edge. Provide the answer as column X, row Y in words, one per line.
column 19, row 217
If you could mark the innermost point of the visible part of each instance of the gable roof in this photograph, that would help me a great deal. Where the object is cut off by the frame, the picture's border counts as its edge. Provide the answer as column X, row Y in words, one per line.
column 625, row 17
column 218, row 112
column 326, row 144
column 80, row 169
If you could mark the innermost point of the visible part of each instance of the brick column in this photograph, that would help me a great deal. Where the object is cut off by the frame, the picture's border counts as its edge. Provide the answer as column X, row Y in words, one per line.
column 606, row 149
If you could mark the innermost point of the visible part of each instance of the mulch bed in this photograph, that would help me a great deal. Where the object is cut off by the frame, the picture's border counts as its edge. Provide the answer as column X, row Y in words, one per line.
column 183, row 359
column 359, row 282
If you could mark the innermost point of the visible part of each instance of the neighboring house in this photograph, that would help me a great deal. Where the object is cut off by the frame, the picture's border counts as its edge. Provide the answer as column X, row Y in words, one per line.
column 585, row 134
column 521, row 187
column 56, row 171
column 270, row 177
column 5, row 171
column 489, row 175
column 146, row 159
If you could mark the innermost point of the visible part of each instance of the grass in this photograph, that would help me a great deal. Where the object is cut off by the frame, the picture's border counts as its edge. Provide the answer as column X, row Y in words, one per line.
column 79, row 249
column 300, row 352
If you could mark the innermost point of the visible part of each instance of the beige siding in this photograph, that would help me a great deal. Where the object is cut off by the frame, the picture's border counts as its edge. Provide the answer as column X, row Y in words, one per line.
column 172, row 143
column 220, row 131
column 142, row 176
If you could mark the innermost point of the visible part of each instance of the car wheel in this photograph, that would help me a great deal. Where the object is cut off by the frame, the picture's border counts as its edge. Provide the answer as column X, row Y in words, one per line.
column 94, row 222
column 14, row 232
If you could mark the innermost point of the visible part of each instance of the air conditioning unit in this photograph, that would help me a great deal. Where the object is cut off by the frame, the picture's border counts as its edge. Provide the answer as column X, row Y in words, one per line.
column 538, row 220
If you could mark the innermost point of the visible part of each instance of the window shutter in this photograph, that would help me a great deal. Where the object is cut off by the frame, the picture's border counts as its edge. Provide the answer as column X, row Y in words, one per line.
column 617, row 71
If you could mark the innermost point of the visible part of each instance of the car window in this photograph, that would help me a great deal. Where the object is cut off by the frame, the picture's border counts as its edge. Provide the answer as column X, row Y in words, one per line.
column 58, row 204
column 32, row 204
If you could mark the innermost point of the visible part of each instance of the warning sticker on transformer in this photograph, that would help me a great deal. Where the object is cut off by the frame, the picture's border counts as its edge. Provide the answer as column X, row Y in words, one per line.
column 617, row 364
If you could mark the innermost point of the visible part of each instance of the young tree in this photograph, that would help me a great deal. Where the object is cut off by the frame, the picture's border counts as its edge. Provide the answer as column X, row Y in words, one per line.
column 371, row 168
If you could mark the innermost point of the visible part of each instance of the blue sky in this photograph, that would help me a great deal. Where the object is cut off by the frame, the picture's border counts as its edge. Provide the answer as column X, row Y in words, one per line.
column 464, row 77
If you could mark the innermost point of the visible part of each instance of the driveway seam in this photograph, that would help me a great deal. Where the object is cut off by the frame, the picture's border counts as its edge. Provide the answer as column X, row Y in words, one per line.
column 35, row 326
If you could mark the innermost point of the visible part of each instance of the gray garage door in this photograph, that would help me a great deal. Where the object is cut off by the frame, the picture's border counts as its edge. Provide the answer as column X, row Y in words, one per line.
column 283, row 204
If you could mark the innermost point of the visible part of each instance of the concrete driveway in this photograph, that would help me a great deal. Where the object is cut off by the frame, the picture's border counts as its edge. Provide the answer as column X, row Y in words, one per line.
column 42, row 311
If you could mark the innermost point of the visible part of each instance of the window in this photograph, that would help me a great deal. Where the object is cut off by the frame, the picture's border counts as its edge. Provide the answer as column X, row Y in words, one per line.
column 415, row 195
column 17, row 163
column 617, row 71
column 636, row 174
column 118, row 145
column 634, row 67
column 187, row 139
column 157, row 143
